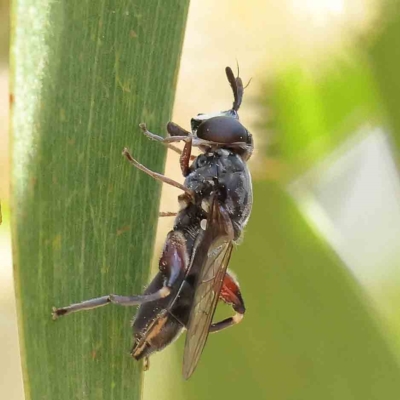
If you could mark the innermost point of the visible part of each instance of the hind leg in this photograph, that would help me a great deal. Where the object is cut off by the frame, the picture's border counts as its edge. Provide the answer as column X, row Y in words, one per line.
column 230, row 294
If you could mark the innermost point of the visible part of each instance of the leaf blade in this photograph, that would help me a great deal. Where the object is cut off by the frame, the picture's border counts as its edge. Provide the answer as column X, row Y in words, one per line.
column 82, row 214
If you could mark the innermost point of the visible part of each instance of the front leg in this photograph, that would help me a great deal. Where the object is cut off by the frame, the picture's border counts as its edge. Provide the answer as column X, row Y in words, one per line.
column 175, row 131
column 185, row 158
column 158, row 138
column 230, row 294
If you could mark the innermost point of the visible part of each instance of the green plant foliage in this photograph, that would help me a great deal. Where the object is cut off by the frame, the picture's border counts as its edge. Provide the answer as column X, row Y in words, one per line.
column 314, row 112
column 85, row 74
column 309, row 332
column 385, row 57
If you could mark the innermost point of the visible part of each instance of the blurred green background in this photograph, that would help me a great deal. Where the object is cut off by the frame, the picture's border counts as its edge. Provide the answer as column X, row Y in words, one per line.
column 319, row 265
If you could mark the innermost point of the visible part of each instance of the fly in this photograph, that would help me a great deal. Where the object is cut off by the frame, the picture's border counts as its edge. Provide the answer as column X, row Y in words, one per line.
column 214, row 209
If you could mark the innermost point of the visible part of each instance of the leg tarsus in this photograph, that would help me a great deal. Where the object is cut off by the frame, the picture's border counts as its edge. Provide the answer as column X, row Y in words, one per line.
column 158, row 138
column 173, row 129
column 146, row 363
column 149, row 134
column 226, row 323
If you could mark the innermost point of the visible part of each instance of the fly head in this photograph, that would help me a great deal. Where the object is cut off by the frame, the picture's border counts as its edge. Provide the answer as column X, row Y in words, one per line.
column 223, row 128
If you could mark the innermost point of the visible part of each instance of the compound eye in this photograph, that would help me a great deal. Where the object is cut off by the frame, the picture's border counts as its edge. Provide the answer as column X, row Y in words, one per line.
column 222, row 130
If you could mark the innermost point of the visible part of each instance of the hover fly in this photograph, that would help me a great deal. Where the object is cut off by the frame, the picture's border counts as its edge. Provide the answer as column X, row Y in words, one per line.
column 214, row 208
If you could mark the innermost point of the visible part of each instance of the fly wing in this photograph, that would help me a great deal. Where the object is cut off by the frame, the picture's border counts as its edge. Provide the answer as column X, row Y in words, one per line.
column 211, row 260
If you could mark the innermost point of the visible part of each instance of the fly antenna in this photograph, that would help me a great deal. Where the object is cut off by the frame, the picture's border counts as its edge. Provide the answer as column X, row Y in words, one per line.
column 248, row 84
column 237, row 88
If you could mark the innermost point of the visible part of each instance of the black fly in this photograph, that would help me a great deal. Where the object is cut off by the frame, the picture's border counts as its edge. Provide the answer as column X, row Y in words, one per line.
column 214, row 208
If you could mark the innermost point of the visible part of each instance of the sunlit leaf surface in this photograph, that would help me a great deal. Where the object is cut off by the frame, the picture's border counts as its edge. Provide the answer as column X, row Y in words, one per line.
column 85, row 74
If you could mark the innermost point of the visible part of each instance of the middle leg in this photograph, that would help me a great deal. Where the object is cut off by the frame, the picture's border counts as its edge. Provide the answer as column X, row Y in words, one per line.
column 156, row 175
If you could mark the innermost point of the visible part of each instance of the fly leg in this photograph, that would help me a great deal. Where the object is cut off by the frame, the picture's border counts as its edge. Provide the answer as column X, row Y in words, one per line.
column 185, row 157
column 174, row 130
column 177, row 134
column 230, row 294
column 172, row 263
column 167, row 214
column 158, row 138
column 157, row 176
column 111, row 298
column 146, row 363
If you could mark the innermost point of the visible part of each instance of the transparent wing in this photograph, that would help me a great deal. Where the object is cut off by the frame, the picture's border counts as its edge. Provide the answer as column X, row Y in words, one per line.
column 211, row 259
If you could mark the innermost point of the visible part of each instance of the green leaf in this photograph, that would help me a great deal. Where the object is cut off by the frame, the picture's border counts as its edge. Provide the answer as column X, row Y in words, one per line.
column 85, row 74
